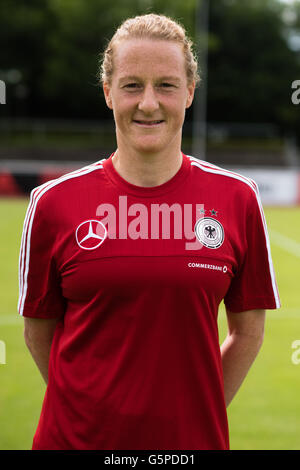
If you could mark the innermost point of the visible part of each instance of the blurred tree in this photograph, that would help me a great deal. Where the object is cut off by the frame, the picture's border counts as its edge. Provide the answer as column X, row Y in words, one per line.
column 250, row 66
column 24, row 33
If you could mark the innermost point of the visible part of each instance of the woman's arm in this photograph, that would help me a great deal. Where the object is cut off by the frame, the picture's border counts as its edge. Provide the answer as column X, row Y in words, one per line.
column 38, row 335
column 240, row 348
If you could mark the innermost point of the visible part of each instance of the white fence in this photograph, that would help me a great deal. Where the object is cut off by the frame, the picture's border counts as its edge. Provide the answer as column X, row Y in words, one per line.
column 278, row 186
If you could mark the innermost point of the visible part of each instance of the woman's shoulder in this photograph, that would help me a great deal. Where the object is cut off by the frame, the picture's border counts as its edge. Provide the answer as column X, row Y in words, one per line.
column 230, row 180
column 66, row 185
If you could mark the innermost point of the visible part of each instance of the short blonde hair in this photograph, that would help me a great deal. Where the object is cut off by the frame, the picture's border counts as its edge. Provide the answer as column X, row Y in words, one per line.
column 150, row 26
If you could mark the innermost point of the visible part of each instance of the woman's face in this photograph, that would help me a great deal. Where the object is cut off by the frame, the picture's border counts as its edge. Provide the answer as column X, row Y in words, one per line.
column 148, row 94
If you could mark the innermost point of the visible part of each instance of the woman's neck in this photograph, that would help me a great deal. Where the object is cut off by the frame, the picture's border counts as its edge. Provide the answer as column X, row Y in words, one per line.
column 147, row 170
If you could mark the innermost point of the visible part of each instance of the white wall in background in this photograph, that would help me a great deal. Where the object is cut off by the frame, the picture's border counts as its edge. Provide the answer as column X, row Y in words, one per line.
column 277, row 186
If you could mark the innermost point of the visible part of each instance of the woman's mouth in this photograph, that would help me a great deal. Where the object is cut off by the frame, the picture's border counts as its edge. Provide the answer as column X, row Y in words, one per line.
column 145, row 123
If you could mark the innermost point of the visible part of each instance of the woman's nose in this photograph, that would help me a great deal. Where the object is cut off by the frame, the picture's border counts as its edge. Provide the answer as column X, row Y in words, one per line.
column 149, row 101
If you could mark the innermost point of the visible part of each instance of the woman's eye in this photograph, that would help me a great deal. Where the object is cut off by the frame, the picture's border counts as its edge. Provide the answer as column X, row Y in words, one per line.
column 132, row 85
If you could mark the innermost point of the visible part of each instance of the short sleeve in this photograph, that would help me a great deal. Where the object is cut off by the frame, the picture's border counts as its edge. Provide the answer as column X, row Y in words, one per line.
column 40, row 293
column 254, row 284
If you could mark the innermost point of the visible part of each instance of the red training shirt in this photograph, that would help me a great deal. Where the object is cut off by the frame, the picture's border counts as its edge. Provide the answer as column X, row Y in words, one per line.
column 136, row 276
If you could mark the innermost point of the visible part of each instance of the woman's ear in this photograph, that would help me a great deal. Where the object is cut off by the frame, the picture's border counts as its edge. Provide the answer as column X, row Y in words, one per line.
column 190, row 96
column 107, row 95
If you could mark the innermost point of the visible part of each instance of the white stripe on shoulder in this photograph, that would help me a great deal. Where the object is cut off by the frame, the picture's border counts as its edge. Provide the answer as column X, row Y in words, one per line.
column 271, row 266
column 210, row 168
column 35, row 196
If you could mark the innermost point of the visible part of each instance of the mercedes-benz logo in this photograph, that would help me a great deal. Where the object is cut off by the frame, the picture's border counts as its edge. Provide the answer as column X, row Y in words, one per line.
column 90, row 234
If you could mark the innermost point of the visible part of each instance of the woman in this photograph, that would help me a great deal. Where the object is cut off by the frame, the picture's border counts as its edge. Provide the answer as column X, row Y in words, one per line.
column 124, row 263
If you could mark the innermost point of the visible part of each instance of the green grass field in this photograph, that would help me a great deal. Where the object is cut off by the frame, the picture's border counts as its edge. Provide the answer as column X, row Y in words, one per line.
column 265, row 414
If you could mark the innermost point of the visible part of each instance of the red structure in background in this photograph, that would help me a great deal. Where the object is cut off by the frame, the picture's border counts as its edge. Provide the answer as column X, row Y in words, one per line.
column 19, row 183
column 9, row 185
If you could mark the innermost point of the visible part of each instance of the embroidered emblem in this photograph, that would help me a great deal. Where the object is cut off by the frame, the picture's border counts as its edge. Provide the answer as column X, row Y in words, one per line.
column 209, row 232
